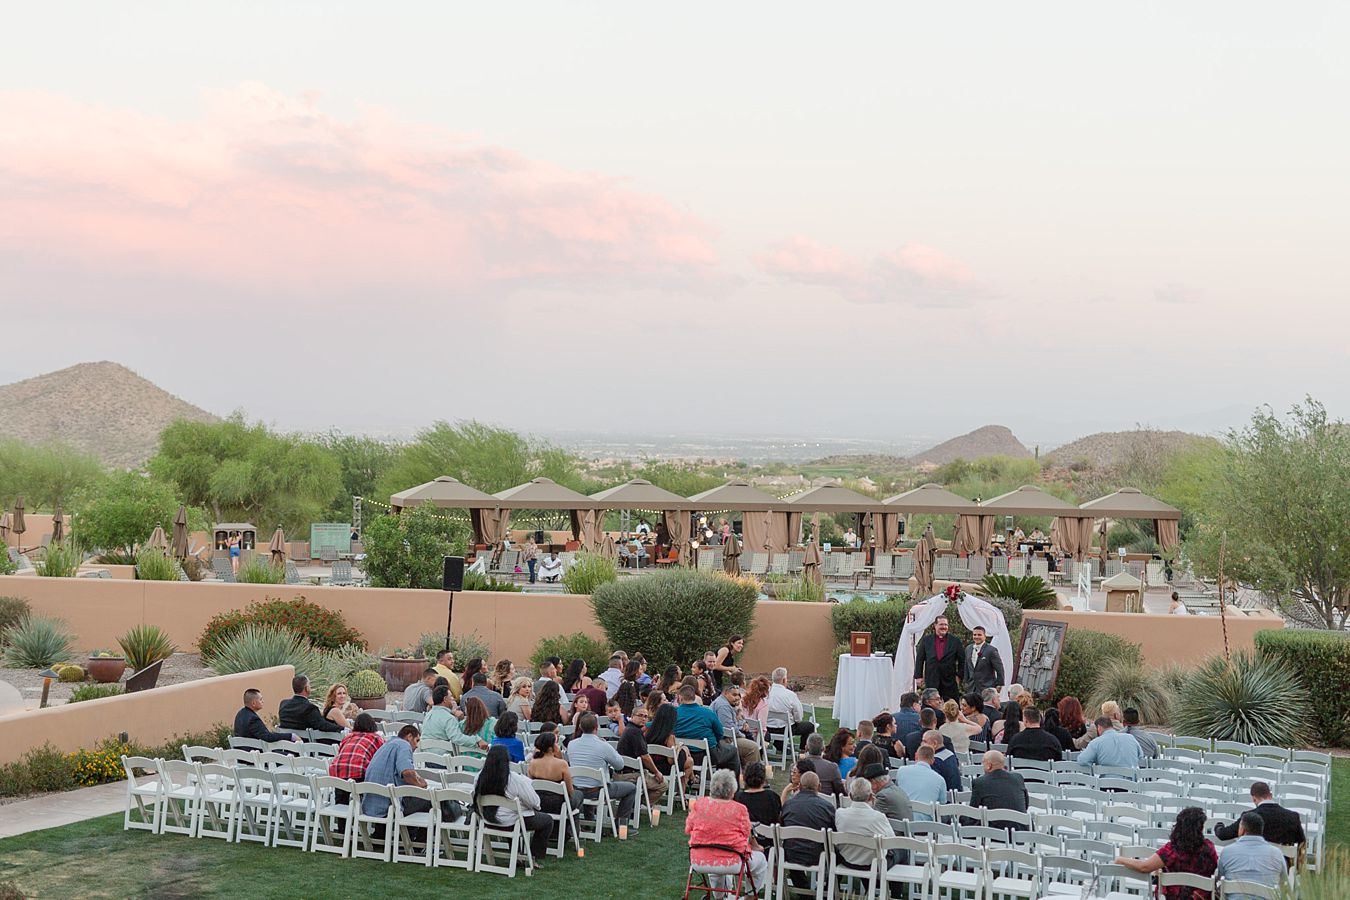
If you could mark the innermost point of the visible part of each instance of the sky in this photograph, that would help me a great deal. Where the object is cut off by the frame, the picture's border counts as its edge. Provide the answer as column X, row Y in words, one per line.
column 863, row 219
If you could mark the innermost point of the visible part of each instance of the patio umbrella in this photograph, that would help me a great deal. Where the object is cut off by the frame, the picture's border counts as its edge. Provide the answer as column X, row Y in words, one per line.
column 923, row 562
column 157, row 540
column 608, row 549
column 4, row 528
column 58, row 525
column 17, row 524
column 1101, row 533
column 277, row 547
column 180, row 534
column 811, row 559
column 731, row 556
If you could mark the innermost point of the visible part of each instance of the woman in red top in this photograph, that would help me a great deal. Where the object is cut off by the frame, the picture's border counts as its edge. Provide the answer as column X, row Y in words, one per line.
column 719, row 820
column 1188, row 850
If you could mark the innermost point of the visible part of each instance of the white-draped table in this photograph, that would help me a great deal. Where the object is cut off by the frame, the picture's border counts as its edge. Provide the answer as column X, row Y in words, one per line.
column 862, row 688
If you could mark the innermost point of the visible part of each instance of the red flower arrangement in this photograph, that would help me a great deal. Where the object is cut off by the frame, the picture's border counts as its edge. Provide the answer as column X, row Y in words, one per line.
column 953, row 592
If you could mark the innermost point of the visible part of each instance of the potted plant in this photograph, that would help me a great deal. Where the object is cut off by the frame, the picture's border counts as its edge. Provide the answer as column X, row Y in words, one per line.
column 401, row 667
column 106, row 667
column 367, row 689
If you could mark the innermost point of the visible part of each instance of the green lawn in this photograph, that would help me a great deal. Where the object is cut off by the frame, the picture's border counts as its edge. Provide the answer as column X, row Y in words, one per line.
column 97, row 859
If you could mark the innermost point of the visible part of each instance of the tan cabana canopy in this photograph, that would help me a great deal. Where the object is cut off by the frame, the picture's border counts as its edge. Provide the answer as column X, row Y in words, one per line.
column 931, row 498
column 973, row 534
column 923, row 562
column 1072, row 534
column 4, row 527
column 833, row 498
column 542, row 493
column 1132, row 503
column 1028, row 500
column 640, row 494
column 736, row 495
column 445, row 492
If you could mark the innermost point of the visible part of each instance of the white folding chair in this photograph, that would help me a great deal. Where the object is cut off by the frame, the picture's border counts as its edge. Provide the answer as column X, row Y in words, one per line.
column 406, row 847
column 292, row 809
column 238, row 743
column 869, row 874
column 198, row 754
column 1066, row 876
column 143, row 796
column 180, row 796
column 917, row 872
column 597, row 798
column 959, row 870
column 675, row 780
column 255, row 805
column 490, row 837
column 218, row 802
column 454, row 840
column 565, row 818
column 332, row 831
column 698, row 748
column 368, row 840
column 1012, row 873
column 817, row 871
column 1124, row 883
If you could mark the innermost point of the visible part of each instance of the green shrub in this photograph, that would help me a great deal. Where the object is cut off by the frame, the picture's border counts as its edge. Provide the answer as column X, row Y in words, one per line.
column 464, row 646
column 573, row 646
column 350, row 659
column 41, row 770
column 802, row 590
column 473, row 581
column 36, row 642
column 885, row 620
column 324, row 628
column 367, row 685
column 144, row 645
column 588, row 572
column 1131, row 684
column 263, row 646
column 1029, row 592
column 7, row 565
column 1322, row 659
column 116, row 559
column 1012, row 614
column 94, row 692
column 59, row 561
column 1084, row 654
column 71, row 674
column 260, row 570
column 674, row 616
column 154, row 565
column 1257, row 699
column 12, row 611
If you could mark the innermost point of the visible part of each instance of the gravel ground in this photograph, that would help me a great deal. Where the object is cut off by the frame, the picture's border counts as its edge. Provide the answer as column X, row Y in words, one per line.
column 178, row 668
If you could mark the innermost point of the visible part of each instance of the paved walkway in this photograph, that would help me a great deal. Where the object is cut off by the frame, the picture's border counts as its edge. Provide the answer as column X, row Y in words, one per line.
column 55, row 810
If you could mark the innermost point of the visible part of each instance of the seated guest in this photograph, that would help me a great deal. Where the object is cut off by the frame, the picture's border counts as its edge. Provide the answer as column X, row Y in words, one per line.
column 840, row 752
column 929, row 721
column 1130, row 717
column 548, row 706
column 755, row 706
column 550, row 568
column 726, row 707
column 661, row 733
column 613, row 722
column 884, row 735
column 248, row 724
column 1111, row 748
column 862, row 737
column 505, row 736
column 521, row 698
column 887, row 797
column 417, row 698
column 695, row 721
column 1251, row 857
column 1033, row 741
column 806, row 809
column 920, row 783
column 1187, row 851
column 1050, row 722
column 502, row 675
column 1282, row 826
column 800, row 768
column 860, row 817
column 907, row 716
column 548, row 671
column 298, row 713
column 441, row 724
column 445, row 667
column 634, row 746
column 473, row 667
column 335, row 705
column 594, row 694
column 989, row 704
column 613, row 676
column 549, row 764
column 356, row 749
column 721, row 837
column 761, row 803
column 831, row 782
column 945, row 762
column 393, row 764
column 998, row 788
column 1110, row 712
column 588, row 750
column 477, row 723
column 785, row 709
column 1071, row 718
column 575, row 678
column 498, row 779
column 491, row 700
column 957, row 731
column 931, row 698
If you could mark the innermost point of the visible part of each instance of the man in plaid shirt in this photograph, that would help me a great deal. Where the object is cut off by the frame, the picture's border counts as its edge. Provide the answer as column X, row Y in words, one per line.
column 356, row 749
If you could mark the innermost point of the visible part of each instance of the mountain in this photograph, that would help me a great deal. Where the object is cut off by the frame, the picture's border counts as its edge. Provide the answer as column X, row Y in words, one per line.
column 1113, row 449
column 101, row 408
column 991, row 440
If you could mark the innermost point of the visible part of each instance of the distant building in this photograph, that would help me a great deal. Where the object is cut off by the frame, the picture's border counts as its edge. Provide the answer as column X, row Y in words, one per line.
column 785, row 481
column 825, row 481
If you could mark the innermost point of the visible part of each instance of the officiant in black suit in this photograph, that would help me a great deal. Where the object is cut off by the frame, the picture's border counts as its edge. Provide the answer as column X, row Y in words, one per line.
column 984, row 666
column 939, row 660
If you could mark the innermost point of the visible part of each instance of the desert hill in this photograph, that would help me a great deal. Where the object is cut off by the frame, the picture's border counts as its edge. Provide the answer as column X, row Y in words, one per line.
column 1113, row 449
column 990, row 440
column 101, row 408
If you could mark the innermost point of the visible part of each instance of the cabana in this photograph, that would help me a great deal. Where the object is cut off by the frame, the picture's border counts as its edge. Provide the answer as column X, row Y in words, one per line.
column 754, row 505
column 542, row 494
column 450, row 493
column 1027, row 500
column 642, row 494
column 828, row 498
column 1132, row 503
column 927, row 498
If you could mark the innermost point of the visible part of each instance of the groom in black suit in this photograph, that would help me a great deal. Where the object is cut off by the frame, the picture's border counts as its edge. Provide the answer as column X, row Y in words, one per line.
column 938, row 662
column 984, row 667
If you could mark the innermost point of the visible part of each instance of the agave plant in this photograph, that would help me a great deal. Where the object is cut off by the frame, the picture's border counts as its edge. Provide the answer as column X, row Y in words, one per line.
column 1030, row 592
column 1131, row 684
column 36, row 642
column 263, row 646
column 1256, row 699
column 145, row 645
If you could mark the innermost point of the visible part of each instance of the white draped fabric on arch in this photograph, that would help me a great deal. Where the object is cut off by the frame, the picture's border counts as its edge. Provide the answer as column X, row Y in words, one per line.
column 973, row 611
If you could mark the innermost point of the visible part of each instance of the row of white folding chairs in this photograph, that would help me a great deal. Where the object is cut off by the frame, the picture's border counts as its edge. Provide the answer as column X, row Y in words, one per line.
column 268, row 761
column 326, row 738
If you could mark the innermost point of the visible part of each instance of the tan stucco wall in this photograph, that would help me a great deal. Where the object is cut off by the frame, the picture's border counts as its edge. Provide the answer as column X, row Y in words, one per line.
column 1164, row 639
column 148, row 717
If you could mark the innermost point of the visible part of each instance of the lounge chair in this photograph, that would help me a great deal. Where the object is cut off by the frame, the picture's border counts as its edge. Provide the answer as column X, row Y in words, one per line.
column 342, row 573
column 224, row 571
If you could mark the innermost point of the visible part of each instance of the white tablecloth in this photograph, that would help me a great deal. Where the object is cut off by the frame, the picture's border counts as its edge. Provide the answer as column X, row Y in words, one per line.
column 862, row 688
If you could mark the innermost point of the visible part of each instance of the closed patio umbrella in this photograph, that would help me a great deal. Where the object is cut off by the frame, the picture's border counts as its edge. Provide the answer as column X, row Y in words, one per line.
column 17, row 524
column 4, row 528
column 1101, row 533
column 58, row 525
column 158, row 540
column 180, row 533
column 277, row 547
column 731, row 556
column 609, row 549
column 923, row 562
column 811, row 560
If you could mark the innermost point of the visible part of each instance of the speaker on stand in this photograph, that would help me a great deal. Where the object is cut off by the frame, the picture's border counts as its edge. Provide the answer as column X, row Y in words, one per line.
column 452, row 579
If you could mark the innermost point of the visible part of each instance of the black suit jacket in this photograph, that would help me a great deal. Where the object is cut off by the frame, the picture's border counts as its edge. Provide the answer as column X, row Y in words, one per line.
column 298, row 713
column 248, row 724
column 1283, row 826
column 940, row 673
column 1036, row 743
column 987, row 672
column 914, row 738
column 999, row 789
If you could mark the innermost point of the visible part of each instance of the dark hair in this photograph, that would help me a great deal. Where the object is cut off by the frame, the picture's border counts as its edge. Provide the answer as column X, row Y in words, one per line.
column 587, row 723
column 251, row 694
column 494, row 776
column 1130, row 716
column 442, row 654
column 571, row 680
column 409, row 730
column 804, row 765
column 441, row 681
column 1031, row 715
column 974, row 701
column 1260, row 789
column 884, row 720
column 870, row 755
column 626, row 696
column 1188, row 832
column 754, row 775
column 365, row 723
column 979, row 628
column 298, row 684
column 439, row 693
column 552, row 661
column 475, row 716
column 1050, row 718
column 1252, row 823
column 475, row 665
column 479, row 678
column 506, row 725
column 928, row 717
column 671, row 677
column 733, row 639
column 835, row 751
column 688, row 693
column 429, row 671
column 544, row 744
column 632, row 670
column 548, row 704
column 1102, row 722
column 908, row 699
column 662, row 725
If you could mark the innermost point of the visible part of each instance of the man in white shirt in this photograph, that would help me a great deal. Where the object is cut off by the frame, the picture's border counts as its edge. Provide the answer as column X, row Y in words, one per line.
column 550, row 568
column 860, row 818
column 850, row 538
column 785, row 710
column 613, row 676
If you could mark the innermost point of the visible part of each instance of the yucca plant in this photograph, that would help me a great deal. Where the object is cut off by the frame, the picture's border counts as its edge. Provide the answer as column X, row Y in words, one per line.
column 36, row 642
column 1257, row 700
column 260, row 570
column 145, row 645
column 1173, row 677
column 264, row 646
column 1131, row 684
column 1030, row 592
column 59, row 562
column 801, row 590
column 154, row 565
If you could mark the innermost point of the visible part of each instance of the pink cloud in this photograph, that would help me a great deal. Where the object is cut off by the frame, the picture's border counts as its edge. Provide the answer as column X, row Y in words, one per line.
column 914, row 274
column 263, row 187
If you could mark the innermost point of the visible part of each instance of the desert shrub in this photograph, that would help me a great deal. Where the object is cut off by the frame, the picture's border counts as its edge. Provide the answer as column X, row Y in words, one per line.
column 573, row 646
column 366, row 685
column 10, row 891
column 40, row 770
column 36, row 642
column 350, row 659
column 802, row 590
column 1083, row 655
column 59, row 561
column 98, row 766
column 1173, row 676
column 12, row 611
column 1012, row 614
column 474, row 581
column 46, row 769
column 144, row 645
column 674, row 616
column 588, row 572
column 1322, row 660
column 260, row 570
column 1256, row 699
column 1030, row 592
column 116, row 559
column 263, row 646
column 885, row 620
column 153, row 565
column 324, row 628
column 94, row 692
column 1131, row 684
column 464, row 646
column 72, row 674
column 7, row 565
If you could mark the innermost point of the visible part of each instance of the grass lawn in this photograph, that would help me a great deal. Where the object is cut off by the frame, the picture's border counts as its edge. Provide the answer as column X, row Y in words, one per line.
column 97, row 859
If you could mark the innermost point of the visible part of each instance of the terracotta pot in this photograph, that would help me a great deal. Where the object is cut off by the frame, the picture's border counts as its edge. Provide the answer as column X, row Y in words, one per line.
column 399, row 673
column 369, row 702
column 106, row 669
